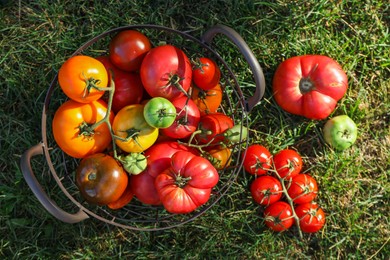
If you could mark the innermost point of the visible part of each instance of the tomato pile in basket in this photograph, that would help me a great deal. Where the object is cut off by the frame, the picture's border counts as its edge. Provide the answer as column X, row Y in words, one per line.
column 145, row 123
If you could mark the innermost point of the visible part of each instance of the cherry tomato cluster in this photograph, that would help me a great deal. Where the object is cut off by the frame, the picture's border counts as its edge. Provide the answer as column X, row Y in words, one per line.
column 145, row 122
column 280, row 186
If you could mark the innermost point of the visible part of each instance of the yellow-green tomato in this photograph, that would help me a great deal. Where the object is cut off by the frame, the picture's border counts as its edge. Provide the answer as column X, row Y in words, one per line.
column 340, row 132
column 159, row 112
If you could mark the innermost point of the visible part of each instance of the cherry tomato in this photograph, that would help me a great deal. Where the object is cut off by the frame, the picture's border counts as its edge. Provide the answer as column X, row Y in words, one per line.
column 135, row 133
column 186, row 121
column 101, row 179
column 159, row 112
column 79, row 77
column 212, row 127
column 128, row 48
column 279, row 216
column 309, row 85
column 207, row 101
column 266, row 190
column 288, row 163
column 257, row 160
column 166, row 72
column 311, row 217
column 128, row 86
column 71, row 128
column 206, row 73
column 302, row 189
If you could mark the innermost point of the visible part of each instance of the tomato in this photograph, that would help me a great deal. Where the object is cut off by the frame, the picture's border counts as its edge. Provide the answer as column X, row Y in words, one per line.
column 208, row 101
column 166, row 72
column 135, row 134
column 309, row 85
column 219, row 156
column 80, row 76
column 133, row 163
column 128, row 86
column 206, row 73
column 158, row 159
column 187, row 183
column 303, row 188
column 287, row 163
column 340, row 132
column 212, row 127
column 266, row 190
column 279, row 216
column 187, row 119
column 101, row 179
column 159, row 112
column 236, row 134
column 311, row 217
column 71, row 123
column 257, row 160
column 123, row 200
column 128, row 48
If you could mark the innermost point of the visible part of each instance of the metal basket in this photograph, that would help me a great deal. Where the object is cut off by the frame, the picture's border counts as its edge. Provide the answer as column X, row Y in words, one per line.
column 135, row 215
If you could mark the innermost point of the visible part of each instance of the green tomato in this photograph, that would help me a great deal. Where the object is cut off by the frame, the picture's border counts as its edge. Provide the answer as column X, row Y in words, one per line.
column 159, row 112
column 340, row 132
column 133, row 163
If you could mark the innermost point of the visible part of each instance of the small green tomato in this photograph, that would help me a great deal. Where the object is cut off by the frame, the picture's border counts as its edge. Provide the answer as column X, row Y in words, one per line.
column 340, row 132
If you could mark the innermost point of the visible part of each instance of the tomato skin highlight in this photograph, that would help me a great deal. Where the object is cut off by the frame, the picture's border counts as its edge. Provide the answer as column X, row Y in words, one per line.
column 68, row 119
column 309, row 85
column 166, row 72
column 76, row 76
column 101, row 179
column 128, row 48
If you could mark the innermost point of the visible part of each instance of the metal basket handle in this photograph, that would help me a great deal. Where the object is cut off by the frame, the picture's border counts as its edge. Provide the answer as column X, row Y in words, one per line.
column 35, row 186
column 248, row 55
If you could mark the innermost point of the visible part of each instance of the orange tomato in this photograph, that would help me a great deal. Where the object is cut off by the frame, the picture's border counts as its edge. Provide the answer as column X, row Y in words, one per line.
column 70, row 124
column 219, row 156
column 207, row 101
column 78, row 77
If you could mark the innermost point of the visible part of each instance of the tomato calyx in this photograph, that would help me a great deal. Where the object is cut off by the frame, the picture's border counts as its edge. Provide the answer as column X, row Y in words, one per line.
column 181, row 181
column 133, row 163
column 86, row 130
column 306, row 84
column 174, row 80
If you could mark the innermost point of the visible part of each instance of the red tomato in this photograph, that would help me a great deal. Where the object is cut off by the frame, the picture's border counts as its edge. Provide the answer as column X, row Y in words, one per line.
column 207, row 101
column 257, row 160
column 71, row 124
column 309, row 85
column 302, row 189
column 101, row 179
column 187, row 184
column 279, row 216
column 158, row 158
column 79, row 77
column 128, row 86
column 206, row 73
column 166, row 72
column 212, row 127
column 187, row 119
column 311, row 217
column 266, row 190
column 128, row 49
column 288, row 163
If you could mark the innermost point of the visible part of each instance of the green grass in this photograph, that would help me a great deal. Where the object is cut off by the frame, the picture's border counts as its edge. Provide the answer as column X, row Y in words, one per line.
column 354, row 184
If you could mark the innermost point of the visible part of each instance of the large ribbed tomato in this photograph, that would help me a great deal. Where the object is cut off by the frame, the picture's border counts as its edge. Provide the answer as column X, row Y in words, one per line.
column 309, row 85
column 187, row 183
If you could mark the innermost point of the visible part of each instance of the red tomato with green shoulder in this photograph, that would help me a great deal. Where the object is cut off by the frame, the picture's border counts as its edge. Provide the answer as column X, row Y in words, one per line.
column 158, row 159
column 302, row 188
column 279, row 216
column 287, row 163
column 128, row 48
column 266, row 190
column 72, row 128
column 206, row 73
column 212, row 127
column 166, row 72
column 128, row 86
column 80, row 77
column 257, row 160
column 311, row 217
column 309, row 85
column 187, row 183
